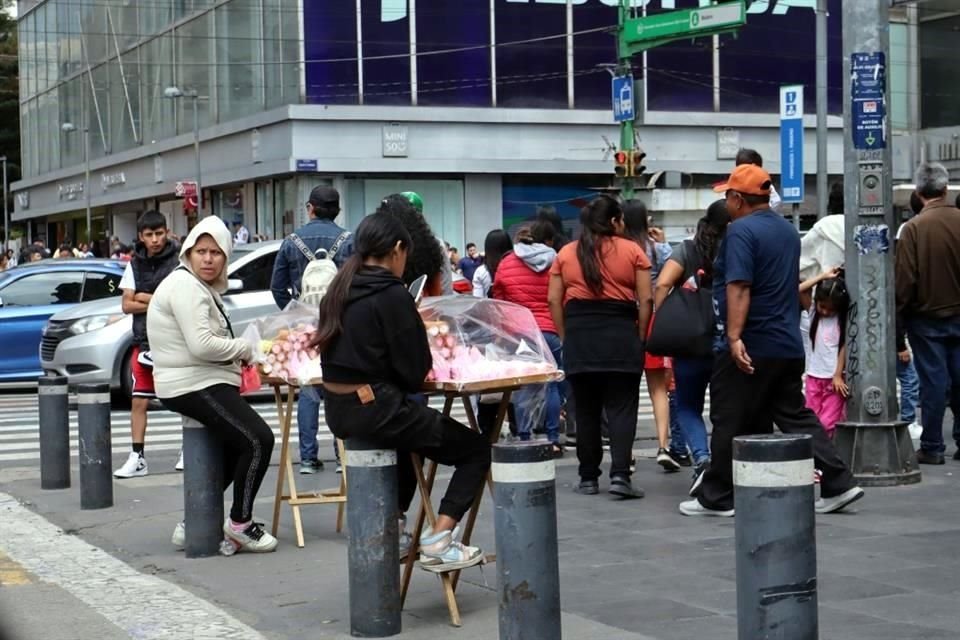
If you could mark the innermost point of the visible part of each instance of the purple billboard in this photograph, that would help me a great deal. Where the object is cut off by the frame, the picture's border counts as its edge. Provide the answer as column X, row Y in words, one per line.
column 455, row 66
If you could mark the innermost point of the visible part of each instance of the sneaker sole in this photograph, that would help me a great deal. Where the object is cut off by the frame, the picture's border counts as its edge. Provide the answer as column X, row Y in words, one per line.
column 843, row 505
column 135, row 474
column 438, row 566
column 669, row 466
column 626, row 494
column 707, row 513
column 587, row 491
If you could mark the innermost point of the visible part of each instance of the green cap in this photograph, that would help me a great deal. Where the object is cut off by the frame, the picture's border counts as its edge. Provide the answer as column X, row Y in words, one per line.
column 414, row 198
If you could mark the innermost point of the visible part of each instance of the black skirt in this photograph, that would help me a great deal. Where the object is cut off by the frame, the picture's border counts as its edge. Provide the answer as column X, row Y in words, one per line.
column 602, row 336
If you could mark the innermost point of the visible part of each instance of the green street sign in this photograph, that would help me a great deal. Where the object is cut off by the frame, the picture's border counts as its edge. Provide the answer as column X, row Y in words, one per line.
column 685, row 23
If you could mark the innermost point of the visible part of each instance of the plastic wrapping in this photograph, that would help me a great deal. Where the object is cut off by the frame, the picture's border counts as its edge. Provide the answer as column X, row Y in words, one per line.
column 475, row 339
column 280, row 342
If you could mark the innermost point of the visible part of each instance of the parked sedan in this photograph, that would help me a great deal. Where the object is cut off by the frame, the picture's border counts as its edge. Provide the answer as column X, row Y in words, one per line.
column 92, row 342
column 31, row 293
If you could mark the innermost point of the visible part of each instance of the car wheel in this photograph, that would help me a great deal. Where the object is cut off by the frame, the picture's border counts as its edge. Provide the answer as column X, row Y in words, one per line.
column 125, row 391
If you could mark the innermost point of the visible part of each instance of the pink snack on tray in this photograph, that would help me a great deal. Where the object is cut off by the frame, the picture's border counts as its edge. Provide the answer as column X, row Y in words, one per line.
column 276, row 348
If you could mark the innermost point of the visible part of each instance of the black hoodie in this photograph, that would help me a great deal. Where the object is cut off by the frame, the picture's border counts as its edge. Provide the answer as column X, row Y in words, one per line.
column 383, row 337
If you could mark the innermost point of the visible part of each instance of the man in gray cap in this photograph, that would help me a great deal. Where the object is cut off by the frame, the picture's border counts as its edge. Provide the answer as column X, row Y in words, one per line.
column 321, row 232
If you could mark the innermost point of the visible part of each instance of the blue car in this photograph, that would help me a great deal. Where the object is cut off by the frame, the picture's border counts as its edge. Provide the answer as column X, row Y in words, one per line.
column 31, row 293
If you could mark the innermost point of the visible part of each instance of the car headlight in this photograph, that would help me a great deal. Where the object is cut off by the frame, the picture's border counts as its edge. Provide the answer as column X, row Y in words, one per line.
column 93, row 323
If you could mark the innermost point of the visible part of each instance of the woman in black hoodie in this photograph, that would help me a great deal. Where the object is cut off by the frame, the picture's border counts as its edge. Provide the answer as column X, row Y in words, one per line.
column 375, row 354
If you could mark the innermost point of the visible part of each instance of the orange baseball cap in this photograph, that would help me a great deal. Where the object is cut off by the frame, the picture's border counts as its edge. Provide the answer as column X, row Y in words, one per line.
column 749, row 179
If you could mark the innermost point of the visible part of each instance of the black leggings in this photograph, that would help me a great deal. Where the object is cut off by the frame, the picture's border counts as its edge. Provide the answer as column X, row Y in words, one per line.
column 247, row 440
column 616, row 395
column 395, row 421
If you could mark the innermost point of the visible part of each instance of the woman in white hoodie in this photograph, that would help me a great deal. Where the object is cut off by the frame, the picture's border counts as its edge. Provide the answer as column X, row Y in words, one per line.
column 197, row 364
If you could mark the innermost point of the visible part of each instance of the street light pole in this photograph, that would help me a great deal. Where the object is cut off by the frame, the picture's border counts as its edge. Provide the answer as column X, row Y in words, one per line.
column 196, row 149
column 86, row 186
column 822, row 169
column 6, row 212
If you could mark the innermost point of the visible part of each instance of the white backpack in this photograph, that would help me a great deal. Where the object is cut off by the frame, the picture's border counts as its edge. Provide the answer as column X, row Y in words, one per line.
column 320, row 270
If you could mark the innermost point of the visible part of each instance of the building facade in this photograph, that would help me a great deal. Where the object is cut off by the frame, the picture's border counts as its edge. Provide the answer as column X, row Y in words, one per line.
column 488, row 108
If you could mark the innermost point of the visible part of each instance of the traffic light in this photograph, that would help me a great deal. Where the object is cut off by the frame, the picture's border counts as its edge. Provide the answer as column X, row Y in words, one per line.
column 637, row 167
column 621, row 164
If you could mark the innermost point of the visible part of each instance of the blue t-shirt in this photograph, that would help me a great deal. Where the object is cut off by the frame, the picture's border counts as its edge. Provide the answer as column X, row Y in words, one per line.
column 763, row 250
column 468, row 266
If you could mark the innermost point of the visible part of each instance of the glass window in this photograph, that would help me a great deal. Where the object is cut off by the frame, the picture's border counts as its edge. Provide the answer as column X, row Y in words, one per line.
column 281, row 53
column 100, row 285
column 461, row 78
column 591, row 83
column 156, row 75
column 47, row 124
column 292, row 54
column 98, row 112
column 938, row 72
column 240, row 72
column 31, row 137
column 265, row 211
column 57, row 287
column 255, row 274
column 899, row 103
column 154, row 16
column 52, row 50
column 385, row 80
column 28, row 75
column 95, row 31
column 194, row 67
column 532, row 74
column 26, row 147
column 71, row 142
column 324, row 27
column 65, row 28
column 40, row 46
column 124, row 17
column 121, row 130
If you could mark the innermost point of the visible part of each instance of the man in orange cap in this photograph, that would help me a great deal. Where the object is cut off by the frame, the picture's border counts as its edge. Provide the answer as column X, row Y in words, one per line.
column 759, row 358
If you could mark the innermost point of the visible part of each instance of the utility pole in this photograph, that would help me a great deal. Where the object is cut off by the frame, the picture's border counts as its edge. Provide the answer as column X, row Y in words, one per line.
column 638, row 34
column 822, row 169
column 873, row 441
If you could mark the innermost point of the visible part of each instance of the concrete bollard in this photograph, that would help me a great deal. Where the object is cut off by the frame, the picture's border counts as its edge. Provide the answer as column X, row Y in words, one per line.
column 373, row 551
column 96, row 453
column 202, row 490
column 525, row 521
column 54, row 416
column 775, row 537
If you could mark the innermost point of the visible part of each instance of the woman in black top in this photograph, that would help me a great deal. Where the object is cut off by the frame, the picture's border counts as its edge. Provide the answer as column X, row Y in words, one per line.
column 375, row 354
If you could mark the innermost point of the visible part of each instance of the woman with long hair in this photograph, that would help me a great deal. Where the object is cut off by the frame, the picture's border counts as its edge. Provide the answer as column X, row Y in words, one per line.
column 495, row 247
column 656, row 367
column 691, row 265
column 375, row 355
column 600, row 299
column 523, row 278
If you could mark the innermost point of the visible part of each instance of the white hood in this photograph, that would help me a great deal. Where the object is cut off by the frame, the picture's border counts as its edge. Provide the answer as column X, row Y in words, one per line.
column 823, row 247
column 216, row 229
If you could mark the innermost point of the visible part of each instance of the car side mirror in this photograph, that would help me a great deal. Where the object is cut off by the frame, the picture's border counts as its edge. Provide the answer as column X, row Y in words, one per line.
column 234, row 284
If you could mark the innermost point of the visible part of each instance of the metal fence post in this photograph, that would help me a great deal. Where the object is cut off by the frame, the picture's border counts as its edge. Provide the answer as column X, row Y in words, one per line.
column 96, row 453
column 54, row 416
column 202, row 490
column 775, row 537
column 373, row 551
column 525, row 521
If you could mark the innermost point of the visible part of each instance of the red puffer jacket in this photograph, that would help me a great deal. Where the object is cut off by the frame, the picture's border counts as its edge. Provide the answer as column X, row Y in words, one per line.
column 519, row 283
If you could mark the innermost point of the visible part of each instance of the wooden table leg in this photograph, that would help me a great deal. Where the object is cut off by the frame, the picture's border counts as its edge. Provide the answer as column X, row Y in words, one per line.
column 284, row 419
column 343, row 484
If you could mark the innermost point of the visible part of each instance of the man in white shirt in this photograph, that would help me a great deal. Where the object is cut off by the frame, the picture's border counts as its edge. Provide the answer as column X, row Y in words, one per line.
column 241, row 234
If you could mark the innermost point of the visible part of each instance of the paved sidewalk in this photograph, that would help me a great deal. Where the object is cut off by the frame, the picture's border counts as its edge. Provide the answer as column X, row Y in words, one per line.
column 629, row 570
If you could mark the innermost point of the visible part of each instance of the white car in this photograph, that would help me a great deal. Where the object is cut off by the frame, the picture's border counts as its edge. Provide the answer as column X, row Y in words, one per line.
column 91, row 342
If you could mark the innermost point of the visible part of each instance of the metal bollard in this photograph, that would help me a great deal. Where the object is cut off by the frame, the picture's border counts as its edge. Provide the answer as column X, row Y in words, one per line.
column 54, row 416
column 775, row 537
column 373, row 551
column 525, row 521
column 202, row 490
column 96, row 453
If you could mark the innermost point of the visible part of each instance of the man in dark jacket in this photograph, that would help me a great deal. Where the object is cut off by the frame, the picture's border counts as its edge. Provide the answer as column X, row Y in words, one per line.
column 928, row 303
column 321, row 232
column 154, row 257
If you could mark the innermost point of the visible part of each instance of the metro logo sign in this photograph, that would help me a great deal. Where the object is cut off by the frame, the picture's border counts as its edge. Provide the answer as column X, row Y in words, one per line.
column 393, row 10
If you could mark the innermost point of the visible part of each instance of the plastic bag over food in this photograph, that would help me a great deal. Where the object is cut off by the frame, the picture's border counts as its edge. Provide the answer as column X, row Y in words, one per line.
column 478, row 339
column 280, row 344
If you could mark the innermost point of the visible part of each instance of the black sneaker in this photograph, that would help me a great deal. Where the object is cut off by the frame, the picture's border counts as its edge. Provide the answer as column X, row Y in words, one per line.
column 665, row 460
column 683, row 459
column 622, row 487
column 310, row 466
column 698, row 472
column 588, row 487
column 929, row 457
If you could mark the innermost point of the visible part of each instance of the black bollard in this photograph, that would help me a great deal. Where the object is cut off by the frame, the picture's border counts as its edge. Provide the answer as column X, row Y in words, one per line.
column 202, row 490
column 54, row 416
column 96, row 453
column 775, row 537
column 525, row 521
column 373, row 552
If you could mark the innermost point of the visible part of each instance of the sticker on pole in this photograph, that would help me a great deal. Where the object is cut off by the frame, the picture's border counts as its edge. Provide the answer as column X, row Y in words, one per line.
column 868, row 109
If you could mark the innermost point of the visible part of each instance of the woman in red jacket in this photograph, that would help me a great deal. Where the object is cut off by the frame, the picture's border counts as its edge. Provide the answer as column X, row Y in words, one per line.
column 523, row 278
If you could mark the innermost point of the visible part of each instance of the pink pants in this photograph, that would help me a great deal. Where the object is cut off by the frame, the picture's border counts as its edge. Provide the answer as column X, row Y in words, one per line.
column 830, row 406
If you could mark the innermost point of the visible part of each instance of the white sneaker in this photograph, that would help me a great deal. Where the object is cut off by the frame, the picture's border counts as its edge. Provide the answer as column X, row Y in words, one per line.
column 179, row 538
column 916, row 430
column 253, row 538
column 694, row 508
column 179, row 465
column 838, row 503
column 440, row 552
column 134, row 467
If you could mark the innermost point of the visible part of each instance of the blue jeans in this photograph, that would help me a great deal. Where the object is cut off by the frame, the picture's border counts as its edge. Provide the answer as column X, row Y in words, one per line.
column 678, row 441
column 936, row 353
column 909, row 390
column 308, row 423
column 693, row 377
column 525, row 400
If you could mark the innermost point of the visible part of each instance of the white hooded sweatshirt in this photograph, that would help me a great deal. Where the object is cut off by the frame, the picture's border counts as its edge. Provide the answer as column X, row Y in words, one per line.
column 190, row 343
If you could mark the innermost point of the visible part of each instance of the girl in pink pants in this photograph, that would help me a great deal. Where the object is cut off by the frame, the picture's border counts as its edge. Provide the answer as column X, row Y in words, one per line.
column 823, row 324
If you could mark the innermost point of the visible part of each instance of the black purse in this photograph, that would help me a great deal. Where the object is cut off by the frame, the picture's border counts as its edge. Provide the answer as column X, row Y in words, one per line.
column 683, row 326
